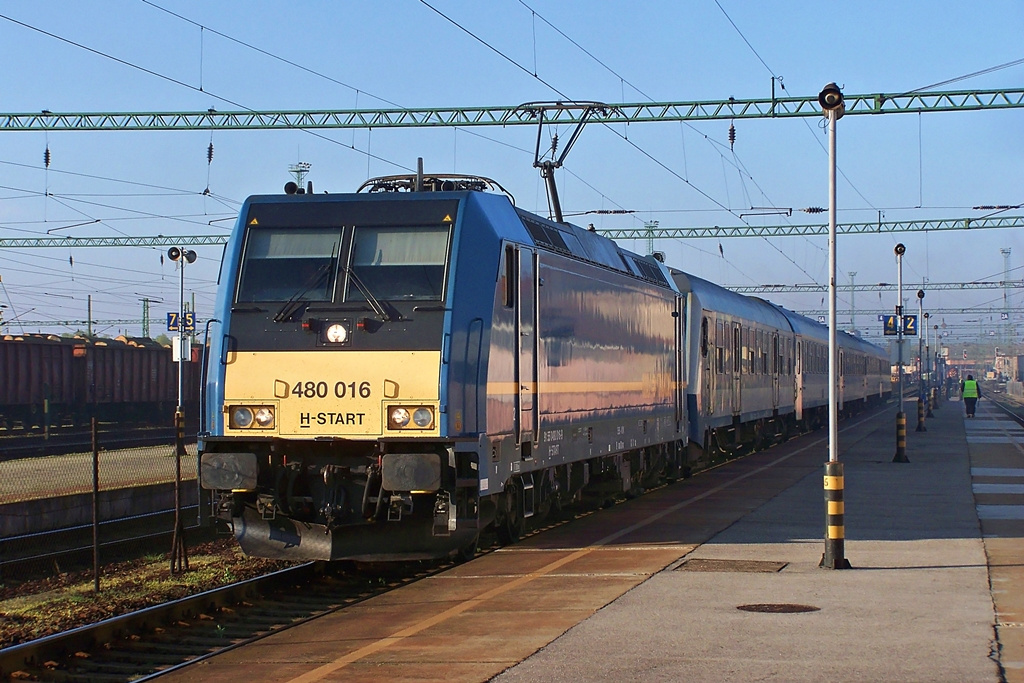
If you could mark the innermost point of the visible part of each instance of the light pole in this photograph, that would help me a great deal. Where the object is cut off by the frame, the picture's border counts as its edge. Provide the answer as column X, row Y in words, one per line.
column 920, row 340
column 927, row 360
column 184, row 256
column 831, row 101
column 901, row 418
column 179, row 554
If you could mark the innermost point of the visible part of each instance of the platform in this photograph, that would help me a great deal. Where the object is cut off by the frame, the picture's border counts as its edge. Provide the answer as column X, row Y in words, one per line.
column 915, row 606
column 618, row 595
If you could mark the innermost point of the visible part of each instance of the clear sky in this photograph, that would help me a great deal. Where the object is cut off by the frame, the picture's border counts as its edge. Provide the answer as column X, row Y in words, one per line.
column 165, row 55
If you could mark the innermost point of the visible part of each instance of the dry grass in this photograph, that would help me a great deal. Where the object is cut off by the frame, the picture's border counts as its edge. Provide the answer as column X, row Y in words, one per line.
column 36, row 608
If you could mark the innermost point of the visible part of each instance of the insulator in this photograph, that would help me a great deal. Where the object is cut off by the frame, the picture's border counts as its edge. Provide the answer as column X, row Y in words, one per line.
column 46, row 157
column 732, row 135
column 71, row 261
column 209, row 154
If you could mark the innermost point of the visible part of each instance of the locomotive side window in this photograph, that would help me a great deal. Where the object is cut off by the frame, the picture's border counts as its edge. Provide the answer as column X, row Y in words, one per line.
column 400, row 262
column 285, row 264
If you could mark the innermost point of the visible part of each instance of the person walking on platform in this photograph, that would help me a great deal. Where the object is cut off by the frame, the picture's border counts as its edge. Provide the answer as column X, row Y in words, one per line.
column 971, row 392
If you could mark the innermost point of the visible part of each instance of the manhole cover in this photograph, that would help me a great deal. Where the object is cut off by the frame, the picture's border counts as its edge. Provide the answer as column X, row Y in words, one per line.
column 778, row 608
column 757, row 566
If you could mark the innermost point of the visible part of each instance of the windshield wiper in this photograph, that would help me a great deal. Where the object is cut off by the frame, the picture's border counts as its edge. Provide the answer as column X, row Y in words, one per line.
column 295, row 302
column 385, row 310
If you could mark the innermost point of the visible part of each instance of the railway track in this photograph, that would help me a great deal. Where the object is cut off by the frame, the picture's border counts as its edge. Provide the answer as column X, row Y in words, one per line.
column 141, row 645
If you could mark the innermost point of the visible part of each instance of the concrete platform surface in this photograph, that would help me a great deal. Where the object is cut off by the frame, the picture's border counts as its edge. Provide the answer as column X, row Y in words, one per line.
column 915, row 606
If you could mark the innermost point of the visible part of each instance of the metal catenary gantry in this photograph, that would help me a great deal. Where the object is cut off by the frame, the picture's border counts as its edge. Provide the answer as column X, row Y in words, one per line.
column 641, row 112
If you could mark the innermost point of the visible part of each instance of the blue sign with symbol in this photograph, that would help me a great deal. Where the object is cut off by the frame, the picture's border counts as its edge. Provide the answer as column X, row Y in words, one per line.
column 173, row 320
column 889, row 324
column 910, row 325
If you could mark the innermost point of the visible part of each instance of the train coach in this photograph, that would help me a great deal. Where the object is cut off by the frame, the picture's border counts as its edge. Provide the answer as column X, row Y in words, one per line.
column 758, row 372
column 47, row 380
column 393, row 370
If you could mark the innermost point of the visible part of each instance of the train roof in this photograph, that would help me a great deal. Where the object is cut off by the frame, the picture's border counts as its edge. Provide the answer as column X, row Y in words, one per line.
column 803, row 325
column 717, row 298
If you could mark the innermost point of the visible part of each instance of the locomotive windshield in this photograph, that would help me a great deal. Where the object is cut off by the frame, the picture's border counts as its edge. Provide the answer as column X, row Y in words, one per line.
column 301, row 264
column 400, row 262
column 281, row 265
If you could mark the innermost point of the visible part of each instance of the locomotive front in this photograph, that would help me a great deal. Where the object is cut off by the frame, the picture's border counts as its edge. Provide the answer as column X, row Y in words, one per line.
column 324, row 383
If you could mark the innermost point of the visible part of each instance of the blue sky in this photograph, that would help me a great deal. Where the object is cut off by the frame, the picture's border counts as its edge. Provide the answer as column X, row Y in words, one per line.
column 405, row 53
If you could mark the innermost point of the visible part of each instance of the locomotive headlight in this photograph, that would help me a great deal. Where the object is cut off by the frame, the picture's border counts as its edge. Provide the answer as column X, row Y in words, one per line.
column 399, row 417
column 410, row 417
column 337, row 334
column 251, row 417
column 423, row 417
column 265, row 417
column 241, row 417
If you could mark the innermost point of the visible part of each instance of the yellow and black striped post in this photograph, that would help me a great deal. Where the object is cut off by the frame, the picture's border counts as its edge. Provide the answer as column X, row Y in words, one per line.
column 920, row 415
column 935, row 401
column 835, row 527
column 901, row 438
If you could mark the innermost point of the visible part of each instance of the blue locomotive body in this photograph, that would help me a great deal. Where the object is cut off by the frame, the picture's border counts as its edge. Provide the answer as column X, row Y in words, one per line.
column 392, row 372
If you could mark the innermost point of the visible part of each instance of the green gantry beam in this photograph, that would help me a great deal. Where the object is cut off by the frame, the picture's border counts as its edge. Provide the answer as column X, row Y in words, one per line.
column 822, row 229
column 878, row 287
column 158, row 241
column 525, row 114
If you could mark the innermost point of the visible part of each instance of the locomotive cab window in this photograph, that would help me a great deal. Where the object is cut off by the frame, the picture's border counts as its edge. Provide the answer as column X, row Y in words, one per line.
column 400, row 263
column 281, row 264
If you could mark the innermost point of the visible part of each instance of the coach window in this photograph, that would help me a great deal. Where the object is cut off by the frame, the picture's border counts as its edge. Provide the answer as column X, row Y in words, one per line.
column 736, row 348
column 719, row 348
column 704, row 337
column 775, row 354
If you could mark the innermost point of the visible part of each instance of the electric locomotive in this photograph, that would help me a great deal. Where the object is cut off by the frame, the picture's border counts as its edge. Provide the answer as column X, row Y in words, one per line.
column 392, row 370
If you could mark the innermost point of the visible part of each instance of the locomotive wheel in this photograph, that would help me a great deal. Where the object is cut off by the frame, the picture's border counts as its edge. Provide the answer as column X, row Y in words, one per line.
column 511, row 525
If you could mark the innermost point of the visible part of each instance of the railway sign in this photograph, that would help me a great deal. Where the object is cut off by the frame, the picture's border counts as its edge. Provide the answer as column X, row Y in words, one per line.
column 173, row 320
column 890, row 325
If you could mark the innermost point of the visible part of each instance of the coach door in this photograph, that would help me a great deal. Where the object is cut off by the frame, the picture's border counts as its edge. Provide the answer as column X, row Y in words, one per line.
column 526, row 350
column 735, row 363
column 775, row 369
column 841, row 389
column 680, row 387
column 798, row 381
column 708, row 353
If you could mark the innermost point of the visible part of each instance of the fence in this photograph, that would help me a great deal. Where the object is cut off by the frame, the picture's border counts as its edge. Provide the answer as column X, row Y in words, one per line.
column 59, row 510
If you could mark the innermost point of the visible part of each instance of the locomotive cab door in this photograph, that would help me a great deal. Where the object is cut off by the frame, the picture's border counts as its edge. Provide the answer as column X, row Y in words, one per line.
column 526, row 339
